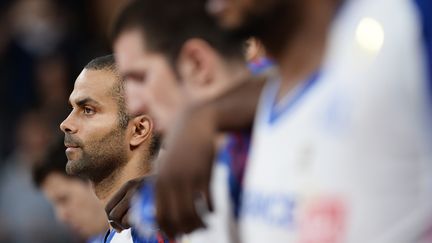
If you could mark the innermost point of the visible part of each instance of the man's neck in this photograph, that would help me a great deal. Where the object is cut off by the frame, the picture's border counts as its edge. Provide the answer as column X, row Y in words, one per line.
column 134, row 168
column 302, row 52
column 236, row 73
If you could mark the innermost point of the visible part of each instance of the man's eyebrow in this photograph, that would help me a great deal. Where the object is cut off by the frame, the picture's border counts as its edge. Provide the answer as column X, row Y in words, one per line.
column 133, row 74
column 86, row 101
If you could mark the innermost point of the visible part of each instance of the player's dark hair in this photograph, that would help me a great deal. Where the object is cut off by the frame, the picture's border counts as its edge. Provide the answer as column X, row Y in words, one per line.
column 155, row 145
column 54, row 162
column 167, row 25
column 102, row 63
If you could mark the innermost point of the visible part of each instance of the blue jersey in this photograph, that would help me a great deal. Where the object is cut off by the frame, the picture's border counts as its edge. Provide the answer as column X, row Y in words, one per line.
column 234, row 156
column 235, row 151
column 260, row 66
column 97, row 239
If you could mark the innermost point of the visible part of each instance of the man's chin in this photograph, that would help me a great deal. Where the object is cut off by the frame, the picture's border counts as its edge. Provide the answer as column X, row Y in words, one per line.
column 72, row 168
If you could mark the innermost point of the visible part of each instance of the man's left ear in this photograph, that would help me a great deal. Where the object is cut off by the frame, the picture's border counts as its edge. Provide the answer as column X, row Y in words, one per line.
column 142, row 127
column 196, row 62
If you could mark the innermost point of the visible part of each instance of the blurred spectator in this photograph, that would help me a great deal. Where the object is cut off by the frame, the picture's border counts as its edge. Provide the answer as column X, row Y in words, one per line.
column 105, row 12
column 36, row 29
column 72, row 197
column 26, row 216
column 44, row 38
column 38, row 26
column 254, row 50
column 52, row 88
column 258, row 62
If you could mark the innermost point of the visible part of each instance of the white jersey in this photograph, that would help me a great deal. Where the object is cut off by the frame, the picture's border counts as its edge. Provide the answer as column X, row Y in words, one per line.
column 124, row 236
column 219, row 223
column 347, row 155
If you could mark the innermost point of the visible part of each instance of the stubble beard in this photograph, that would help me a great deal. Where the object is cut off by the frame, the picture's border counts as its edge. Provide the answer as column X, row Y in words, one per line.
column 101, row 158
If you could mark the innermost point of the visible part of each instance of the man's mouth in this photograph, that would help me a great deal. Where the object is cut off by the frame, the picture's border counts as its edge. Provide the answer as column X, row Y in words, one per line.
column 71, row 145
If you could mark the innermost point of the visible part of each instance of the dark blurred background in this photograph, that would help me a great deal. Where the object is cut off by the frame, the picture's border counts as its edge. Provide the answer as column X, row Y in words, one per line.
column 44, row 44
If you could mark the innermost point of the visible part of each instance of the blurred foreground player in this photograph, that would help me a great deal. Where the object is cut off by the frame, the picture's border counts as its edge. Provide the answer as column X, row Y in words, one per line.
column 341, row 143
column 73, row 198
column 202, row 63
column 104, row 143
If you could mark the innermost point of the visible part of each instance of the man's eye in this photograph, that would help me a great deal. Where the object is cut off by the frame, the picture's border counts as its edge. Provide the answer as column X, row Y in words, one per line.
column 88, row 111
column 135, row 78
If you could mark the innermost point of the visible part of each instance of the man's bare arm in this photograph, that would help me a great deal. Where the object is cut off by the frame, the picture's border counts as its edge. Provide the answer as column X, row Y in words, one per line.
column 185, row 170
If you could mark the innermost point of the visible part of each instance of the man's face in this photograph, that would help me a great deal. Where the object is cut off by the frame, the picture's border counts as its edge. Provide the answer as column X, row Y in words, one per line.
column 96, row 144
column 150, row 82
column 75, row 204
